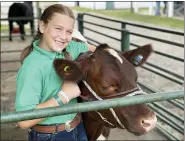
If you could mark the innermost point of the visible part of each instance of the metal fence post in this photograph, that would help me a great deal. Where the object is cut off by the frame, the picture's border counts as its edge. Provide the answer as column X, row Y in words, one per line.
column 39, row 12
column 80, row 22
column 125, row 38
column 38, row 9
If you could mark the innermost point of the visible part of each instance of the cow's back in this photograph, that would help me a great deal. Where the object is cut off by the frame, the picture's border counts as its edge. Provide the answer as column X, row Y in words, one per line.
column 20, row 10
column 15, row 10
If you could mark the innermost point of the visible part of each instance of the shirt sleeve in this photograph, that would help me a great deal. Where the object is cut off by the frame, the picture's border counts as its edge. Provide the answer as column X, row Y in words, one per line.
column 28, row 89
column 75, row 48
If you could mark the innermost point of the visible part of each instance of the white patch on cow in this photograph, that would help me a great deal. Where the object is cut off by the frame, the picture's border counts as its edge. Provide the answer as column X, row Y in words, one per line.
column 115, row 54
column 101, row 137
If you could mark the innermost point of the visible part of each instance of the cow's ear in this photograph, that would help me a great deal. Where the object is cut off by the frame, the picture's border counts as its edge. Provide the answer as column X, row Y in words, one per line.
column 68, row 70
column 138, row 56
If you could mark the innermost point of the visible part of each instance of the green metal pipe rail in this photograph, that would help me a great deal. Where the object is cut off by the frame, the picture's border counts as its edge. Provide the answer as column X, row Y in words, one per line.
column 156, row 91
column 168, row 111
column 169, row 123
column 18, row 19
column 103, row 34
column 180, row 102
column 9, row 71
column 10, row 61
column 157, row 39
column 7, row 36
column 136, row 25
column 176, row 104
column 136, row 34
column 167, row 133
column 163, row 75
column 167, row 118
column 163, row 54
column 165, row 70
column 11, row 51
column 88, row 106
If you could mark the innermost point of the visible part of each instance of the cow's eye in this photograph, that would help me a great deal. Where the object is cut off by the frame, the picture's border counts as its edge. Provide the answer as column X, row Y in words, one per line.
column 110, row 88
column 67, row 68
column 106, row 87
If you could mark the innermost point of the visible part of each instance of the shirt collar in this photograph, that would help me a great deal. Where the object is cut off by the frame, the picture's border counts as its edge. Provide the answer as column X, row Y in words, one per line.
column 49, row 54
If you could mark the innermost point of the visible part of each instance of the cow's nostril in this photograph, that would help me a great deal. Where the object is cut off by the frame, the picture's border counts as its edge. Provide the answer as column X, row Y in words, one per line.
column 145, row 123
column 148, row 123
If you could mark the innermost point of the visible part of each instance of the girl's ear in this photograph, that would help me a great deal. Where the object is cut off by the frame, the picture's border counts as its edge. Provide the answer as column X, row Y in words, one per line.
column 41, row 26
column 68, row 70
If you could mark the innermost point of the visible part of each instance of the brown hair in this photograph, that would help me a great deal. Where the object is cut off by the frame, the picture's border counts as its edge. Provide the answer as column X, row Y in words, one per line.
column 45, row 17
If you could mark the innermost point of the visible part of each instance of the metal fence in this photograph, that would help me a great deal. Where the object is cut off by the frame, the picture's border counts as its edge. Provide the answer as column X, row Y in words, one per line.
column 88, row 106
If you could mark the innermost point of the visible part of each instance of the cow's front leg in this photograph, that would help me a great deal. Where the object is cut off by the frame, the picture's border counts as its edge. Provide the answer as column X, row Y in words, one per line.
column 10, row 29
column 21, row 27
column 32, row 27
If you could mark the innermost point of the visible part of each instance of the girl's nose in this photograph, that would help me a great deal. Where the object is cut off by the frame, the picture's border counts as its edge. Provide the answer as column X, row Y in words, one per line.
column 63, row 35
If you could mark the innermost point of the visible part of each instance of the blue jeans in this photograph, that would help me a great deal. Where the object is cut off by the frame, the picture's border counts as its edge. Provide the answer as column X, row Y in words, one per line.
column 77, row 134
column 157, row 10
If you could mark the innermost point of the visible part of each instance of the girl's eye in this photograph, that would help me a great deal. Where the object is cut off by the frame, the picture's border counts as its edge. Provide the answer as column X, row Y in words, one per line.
column 58, row 28
column 69, row 32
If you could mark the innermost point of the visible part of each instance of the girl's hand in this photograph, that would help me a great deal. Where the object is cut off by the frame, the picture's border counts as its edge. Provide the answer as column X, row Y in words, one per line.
column 71, row 89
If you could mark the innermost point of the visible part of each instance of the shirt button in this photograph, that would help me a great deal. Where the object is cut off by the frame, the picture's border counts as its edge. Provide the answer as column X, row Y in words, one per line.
column 57, row 55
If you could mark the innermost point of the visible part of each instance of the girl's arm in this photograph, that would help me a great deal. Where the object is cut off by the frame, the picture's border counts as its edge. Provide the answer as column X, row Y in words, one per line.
column 29, row 123
column 79, row 37
column 91, row 47
column 71, row 89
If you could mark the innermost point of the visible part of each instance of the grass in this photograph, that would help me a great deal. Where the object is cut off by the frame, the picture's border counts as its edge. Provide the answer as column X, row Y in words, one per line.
column 5, row 28
column 162, row 21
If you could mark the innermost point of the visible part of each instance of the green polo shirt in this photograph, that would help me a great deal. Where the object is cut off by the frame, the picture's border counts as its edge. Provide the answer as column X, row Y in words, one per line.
column 37, row 81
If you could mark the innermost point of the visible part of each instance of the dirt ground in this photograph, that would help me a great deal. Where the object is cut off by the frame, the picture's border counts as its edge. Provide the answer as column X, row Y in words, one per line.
column 8, row 79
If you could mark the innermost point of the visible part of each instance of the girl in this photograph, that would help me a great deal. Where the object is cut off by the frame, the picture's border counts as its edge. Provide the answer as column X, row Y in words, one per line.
column 37, row 84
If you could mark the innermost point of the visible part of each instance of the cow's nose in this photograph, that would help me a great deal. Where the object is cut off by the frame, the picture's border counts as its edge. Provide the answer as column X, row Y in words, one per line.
column 149, row 124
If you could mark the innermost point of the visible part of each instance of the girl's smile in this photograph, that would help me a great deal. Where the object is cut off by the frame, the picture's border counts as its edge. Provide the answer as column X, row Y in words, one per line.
column 57, row 33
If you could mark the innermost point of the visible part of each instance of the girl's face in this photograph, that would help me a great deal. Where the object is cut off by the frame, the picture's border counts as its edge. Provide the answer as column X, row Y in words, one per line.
column 57, row 33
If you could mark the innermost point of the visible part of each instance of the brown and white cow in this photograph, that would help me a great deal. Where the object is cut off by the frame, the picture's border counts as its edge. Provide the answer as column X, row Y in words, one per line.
column 106, row 74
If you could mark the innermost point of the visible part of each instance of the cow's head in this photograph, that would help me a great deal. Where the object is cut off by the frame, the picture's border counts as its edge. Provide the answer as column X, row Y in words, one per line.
column 112, row 74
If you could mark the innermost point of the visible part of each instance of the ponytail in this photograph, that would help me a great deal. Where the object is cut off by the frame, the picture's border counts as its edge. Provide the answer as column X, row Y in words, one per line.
column 26, row 51
column 67, row 56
